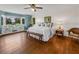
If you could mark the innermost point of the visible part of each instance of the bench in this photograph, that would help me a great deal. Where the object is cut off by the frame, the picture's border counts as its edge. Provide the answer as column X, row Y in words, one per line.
column 37, row 34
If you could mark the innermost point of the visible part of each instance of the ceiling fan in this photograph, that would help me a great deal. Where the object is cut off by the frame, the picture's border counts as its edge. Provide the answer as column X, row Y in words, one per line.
column 33, row 7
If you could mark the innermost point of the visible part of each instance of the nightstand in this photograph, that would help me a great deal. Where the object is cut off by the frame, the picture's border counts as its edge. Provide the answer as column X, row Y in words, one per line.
column 59, row 32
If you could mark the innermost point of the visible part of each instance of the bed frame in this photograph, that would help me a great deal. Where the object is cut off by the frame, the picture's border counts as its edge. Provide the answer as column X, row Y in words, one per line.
column 37, row 34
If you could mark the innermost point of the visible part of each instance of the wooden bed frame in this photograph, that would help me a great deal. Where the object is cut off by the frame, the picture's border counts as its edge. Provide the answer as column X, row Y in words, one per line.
column 37, row 34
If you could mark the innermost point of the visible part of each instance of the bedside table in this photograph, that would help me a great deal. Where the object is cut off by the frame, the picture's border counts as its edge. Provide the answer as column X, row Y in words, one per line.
column 59, row 32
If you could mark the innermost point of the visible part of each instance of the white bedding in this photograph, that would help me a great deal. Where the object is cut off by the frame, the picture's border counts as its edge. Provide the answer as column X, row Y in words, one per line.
column 46, row 31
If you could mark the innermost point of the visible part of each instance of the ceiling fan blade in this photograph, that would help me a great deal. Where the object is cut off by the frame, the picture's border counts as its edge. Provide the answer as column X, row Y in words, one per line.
column 27, row 8
column 39, row 7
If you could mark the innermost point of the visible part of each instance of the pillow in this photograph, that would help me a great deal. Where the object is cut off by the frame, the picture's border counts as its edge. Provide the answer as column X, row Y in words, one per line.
column 49, row 24
column 43, row 24
column 39, row 24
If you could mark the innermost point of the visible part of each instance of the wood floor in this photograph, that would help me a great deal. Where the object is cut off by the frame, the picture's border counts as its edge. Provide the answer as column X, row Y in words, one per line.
column 20, row 44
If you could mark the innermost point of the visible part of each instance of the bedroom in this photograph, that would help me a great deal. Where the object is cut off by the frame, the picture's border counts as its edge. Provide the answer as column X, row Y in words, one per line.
column 52, row 29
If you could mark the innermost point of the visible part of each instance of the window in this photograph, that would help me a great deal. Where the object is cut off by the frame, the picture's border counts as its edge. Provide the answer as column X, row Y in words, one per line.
column 17, row 21
column 8, row 21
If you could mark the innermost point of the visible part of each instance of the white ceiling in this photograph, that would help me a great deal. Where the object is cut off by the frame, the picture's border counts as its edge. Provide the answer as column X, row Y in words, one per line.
column 48, row 9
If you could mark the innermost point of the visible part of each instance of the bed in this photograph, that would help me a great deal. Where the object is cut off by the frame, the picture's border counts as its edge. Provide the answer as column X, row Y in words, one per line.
column 45, row 32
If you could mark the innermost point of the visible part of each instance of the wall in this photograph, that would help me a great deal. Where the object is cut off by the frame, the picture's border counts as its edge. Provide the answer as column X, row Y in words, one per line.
column 67, row 21
column 9, row 14
column 68, row 15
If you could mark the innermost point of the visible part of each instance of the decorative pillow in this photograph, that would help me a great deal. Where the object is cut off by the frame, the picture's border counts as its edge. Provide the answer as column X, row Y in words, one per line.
column 49, row 24
column 39, row 24
column 43, row 24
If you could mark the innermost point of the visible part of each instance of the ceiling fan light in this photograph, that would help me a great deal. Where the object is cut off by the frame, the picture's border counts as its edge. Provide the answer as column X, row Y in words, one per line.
column 33, row 10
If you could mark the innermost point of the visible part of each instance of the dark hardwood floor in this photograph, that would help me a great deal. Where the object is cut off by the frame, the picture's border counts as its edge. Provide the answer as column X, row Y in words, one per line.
column 20, row 44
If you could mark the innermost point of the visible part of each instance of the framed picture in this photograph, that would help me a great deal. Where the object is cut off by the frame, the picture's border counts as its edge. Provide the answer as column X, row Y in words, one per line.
column 47, row 19
column 33, row 21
